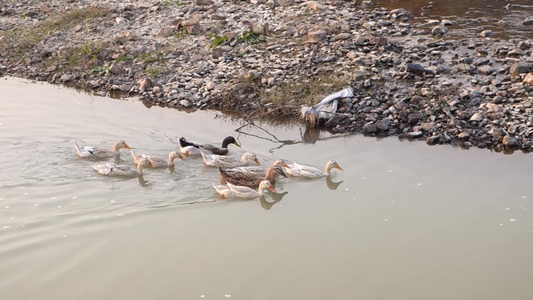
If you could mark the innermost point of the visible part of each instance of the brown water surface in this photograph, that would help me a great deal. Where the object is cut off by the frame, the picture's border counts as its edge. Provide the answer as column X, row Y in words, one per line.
column 503, row 17
column 403, row 221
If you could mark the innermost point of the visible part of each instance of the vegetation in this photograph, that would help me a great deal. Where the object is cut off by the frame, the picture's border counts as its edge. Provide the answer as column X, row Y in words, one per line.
column 218, row 40
column 21, row 40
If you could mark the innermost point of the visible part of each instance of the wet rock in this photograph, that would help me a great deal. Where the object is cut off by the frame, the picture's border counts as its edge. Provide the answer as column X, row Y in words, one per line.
column 528, row 21
column 509, row 141
column 370, row 128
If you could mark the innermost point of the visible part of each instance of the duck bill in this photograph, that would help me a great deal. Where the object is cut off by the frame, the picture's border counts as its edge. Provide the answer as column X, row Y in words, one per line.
column 181, row 157
column 339, row 167
column 272, row 189
column 257, row 162
column 237, row 144
column 127, row 147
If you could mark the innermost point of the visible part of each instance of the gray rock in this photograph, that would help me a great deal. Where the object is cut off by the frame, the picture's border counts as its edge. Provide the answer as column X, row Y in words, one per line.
column 370, row 128
column 439, row 30
column 486, row 33
column 519, row 68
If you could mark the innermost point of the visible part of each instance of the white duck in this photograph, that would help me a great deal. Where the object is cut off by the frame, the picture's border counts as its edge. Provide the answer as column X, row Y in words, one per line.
column 95, row 152
column 112, row 169
column 156, row 161
column 214, row 160
column 297, row 170
column 229, row 190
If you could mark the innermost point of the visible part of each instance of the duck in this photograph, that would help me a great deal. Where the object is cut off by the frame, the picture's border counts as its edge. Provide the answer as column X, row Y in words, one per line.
column 156, row 161
column 243, row 192
column 259, row 171
column 214, row 160
column 188, row 145
column 95, row 152
column 251, row 180
column 302, row 171
column 113, row 169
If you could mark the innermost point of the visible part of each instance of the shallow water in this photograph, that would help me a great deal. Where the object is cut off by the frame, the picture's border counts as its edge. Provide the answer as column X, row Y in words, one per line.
column 503, row 17
column 403, row 221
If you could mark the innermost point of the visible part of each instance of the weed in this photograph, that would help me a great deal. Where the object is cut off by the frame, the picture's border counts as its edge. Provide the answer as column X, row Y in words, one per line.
column 101, row 70
column 153, row 72
column 121, row 58
column 218, row 40
column 251, row 37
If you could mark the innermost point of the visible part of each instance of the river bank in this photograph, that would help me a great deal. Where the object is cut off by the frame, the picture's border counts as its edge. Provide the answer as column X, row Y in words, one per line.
column 265, row 59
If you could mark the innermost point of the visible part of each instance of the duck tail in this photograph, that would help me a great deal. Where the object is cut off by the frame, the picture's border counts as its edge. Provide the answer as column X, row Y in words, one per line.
column 185, row 142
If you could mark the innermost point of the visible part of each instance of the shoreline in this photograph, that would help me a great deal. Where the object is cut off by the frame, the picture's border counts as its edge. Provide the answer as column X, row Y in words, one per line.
column 265, row 59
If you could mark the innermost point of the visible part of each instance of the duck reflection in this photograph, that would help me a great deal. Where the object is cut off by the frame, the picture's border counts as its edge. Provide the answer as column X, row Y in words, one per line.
column 277, row 197
column 332, row 185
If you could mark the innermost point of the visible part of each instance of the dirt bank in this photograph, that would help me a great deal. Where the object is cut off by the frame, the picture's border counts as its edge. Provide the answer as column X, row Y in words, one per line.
column 265, row 59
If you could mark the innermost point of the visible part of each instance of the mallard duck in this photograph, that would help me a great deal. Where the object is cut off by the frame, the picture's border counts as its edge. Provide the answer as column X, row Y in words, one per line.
column 112, row 169
column 94, row 152
column 251, row 180
column 297, row 170
column 156, row 161
column 185, row 145
column 214, row 160
column 243, row 192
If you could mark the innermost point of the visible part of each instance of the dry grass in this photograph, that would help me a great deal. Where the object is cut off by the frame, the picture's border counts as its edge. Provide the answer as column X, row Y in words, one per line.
column 19, row 41
column 283, row 102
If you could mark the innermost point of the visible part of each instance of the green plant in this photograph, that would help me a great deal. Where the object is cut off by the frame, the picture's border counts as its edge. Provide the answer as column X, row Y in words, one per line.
column 218, row 40
column 121, row 58
column 153, row 72
column 251, row 37
column 101, row 70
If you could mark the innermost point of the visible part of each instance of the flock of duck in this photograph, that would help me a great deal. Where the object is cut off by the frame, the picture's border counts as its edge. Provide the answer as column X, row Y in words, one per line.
column 242, row 177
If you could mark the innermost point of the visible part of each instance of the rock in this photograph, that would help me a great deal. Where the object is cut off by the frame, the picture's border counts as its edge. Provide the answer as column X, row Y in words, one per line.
column 509, row 141
column 164, row 32
column 439, row 30
column 384, row 124
column 185, row 103
column 486, row 33
column 477, row 117
column 370, row 128
column 204, row 2
column 528, row 21
column 524, row 45
column 144, row 84
column 260, row 29
column 418, row 69
column 313, row 5
column 528, row 79
column 195, row 29
column 116, row 69
column 519, row 68
column 316, row 36
column 190, row 22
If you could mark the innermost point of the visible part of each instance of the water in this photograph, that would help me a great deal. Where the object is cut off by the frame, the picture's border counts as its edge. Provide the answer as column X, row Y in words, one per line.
column 503, row 17
column 403, row 221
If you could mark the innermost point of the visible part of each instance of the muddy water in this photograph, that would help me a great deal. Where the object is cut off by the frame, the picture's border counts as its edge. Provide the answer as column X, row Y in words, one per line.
column 471, row 17
column 403, row 221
